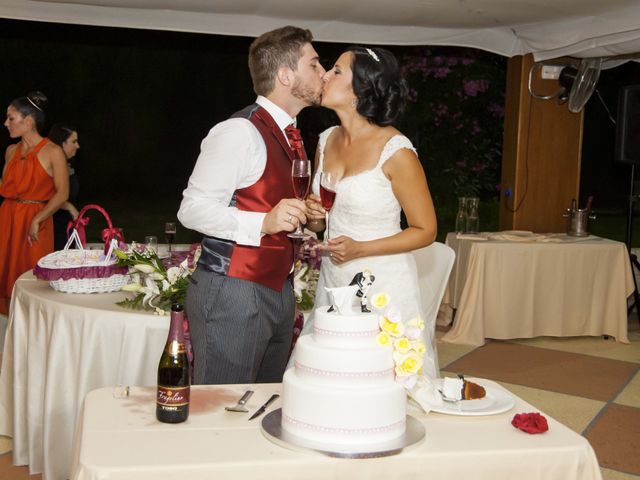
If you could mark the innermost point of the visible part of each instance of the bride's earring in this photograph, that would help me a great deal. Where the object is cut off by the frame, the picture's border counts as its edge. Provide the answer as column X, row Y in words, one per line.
column 354, row 102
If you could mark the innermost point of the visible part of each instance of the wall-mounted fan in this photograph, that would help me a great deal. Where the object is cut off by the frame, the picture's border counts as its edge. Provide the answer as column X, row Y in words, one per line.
column 576, row 84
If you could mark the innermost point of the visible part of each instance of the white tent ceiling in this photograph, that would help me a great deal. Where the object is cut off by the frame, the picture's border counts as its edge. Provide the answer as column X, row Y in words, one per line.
column 546, row 28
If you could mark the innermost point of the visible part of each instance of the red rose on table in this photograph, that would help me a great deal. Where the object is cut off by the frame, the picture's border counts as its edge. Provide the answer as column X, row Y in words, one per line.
column 530, row 422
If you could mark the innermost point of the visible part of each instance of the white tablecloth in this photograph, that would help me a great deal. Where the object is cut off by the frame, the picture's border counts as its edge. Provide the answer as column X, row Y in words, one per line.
column 58, row 347
column 522, row 286
column 120, row 439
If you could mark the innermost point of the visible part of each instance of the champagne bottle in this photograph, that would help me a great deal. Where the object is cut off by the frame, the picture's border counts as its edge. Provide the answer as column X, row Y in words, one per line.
column 174, row 378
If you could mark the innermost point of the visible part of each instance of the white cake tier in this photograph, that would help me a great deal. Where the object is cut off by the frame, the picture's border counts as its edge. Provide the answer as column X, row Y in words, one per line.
column 357, row 329
column 342, row 416
column 349, row 367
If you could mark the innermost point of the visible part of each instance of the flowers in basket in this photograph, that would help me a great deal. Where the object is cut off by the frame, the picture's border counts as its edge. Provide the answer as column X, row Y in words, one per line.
column 156, row 284
column 306, row 271
column 405, row 340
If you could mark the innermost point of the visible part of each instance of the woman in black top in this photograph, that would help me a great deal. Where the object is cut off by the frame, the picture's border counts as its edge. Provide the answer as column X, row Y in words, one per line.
column 66, row 137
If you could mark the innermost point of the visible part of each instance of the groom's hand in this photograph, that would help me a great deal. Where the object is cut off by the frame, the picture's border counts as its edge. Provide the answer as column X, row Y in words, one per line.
column 285, row 216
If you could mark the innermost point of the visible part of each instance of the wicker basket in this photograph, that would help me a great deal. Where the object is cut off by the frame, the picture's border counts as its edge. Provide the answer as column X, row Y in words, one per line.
column 84, row 271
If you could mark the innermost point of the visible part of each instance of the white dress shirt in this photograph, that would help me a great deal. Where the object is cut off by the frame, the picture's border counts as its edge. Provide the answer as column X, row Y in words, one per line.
column 232, row 156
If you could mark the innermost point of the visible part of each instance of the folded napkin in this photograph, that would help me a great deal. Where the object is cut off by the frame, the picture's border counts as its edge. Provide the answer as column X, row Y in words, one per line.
column 425, row 393
column 517, row 236
column 564, row 238
column 472, row 236
column 530, row 422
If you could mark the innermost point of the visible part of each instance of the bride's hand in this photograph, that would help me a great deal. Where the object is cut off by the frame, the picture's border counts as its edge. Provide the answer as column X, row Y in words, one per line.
column 314, row 207
column 342, row 249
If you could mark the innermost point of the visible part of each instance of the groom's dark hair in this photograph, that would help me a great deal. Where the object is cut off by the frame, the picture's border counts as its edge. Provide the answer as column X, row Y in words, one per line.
column 270, row 51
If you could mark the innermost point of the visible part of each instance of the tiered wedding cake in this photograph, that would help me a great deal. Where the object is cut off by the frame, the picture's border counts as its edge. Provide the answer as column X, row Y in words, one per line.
column 342, row 389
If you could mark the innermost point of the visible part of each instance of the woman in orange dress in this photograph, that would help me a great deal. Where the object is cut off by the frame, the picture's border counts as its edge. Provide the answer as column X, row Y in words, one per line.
column 34, row 184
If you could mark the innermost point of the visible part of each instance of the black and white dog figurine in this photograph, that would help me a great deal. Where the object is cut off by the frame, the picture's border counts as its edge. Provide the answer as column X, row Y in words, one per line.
column 340, row 295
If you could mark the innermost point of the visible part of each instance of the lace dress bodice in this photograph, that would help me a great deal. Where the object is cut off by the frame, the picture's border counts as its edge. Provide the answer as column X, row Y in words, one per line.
column 365, row 207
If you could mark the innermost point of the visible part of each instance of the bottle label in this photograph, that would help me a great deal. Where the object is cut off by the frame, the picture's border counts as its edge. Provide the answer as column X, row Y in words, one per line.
column 174, row 348
column 173, row 396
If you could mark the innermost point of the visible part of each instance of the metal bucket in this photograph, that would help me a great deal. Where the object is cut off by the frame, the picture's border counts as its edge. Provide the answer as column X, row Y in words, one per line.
column 578, row 222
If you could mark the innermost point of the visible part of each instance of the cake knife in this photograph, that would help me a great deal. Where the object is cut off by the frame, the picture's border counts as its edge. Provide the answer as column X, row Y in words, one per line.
column 261, row 410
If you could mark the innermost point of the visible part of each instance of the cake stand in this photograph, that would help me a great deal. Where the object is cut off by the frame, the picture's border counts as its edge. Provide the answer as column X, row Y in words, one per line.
column 272, row 429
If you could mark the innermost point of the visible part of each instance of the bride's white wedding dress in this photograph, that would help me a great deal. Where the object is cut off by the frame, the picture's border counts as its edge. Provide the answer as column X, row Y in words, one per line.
column 365, row 208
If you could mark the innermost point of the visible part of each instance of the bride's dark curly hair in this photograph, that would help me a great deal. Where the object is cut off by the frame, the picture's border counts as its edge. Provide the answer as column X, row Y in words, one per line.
column 381, row 91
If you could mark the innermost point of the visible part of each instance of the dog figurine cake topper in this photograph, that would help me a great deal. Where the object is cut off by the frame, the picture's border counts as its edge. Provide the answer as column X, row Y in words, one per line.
column 342, row 297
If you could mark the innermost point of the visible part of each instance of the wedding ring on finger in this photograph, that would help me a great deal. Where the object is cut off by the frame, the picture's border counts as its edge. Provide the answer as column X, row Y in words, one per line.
column 289, row 219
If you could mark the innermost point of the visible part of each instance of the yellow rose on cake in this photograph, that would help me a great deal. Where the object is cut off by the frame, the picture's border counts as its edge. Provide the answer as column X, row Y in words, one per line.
column 380, row 300
column 384, row 339
column 391, row 322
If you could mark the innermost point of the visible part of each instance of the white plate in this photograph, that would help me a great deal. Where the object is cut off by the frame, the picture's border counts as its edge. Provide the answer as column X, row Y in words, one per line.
column 496, row 401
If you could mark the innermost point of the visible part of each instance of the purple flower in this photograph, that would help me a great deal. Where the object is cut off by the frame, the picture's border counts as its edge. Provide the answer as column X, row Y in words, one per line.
column 473, row 87
column 441, row 72
column 496, row 109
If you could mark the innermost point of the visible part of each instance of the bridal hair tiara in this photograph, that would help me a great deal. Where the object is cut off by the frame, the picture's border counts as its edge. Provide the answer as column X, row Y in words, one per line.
column 33, row 103
column 373, row 54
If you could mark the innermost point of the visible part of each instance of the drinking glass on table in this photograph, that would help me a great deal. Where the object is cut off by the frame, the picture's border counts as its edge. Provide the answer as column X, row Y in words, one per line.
column 151, row 243
column 300, row 176
column 328, row 183
column 169, row 233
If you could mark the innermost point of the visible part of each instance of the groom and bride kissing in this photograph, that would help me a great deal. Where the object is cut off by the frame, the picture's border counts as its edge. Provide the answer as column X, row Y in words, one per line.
column 240, row 197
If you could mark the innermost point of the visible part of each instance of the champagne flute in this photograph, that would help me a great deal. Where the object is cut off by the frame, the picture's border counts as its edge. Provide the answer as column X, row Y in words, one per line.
column 169, row 233
column 300, row 176
column 328, row 183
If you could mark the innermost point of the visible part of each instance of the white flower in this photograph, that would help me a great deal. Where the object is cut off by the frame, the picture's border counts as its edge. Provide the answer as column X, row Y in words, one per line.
column 156, row 276
column 132, row 287
column 394, row 314
column 196, row 255
column 173, row 274
column 413, row 333
column 417, row 322
column 144, row 268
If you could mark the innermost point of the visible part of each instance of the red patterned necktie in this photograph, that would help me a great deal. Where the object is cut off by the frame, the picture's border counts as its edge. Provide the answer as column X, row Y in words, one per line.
column 295, row 141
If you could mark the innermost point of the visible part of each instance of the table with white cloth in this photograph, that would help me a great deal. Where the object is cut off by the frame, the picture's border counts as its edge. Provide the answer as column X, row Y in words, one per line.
column 508, row 285
column 58, row 347
column 119, row 438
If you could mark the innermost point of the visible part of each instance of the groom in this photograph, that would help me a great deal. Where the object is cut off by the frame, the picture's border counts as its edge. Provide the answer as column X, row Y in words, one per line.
column 240, row 196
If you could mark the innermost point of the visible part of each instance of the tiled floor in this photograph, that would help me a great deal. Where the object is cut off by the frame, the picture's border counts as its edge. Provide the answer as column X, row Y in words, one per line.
column 590, row 384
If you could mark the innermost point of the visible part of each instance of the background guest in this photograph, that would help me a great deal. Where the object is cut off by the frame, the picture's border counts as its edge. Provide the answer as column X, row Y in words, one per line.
column 66, row 137
column 34, row 184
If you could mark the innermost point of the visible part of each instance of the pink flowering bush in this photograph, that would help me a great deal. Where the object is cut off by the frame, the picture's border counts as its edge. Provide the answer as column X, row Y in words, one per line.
column 455, row 118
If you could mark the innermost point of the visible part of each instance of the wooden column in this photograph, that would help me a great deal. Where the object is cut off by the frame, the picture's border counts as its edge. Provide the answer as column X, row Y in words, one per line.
column 541, row 153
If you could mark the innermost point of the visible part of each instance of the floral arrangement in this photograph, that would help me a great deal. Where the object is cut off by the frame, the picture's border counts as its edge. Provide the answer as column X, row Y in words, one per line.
column 306, row 271
column 156, row 285
column 459, row 92
column 406, row 340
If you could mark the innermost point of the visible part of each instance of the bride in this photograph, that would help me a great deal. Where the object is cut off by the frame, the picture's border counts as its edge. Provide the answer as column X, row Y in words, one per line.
column 380, row 175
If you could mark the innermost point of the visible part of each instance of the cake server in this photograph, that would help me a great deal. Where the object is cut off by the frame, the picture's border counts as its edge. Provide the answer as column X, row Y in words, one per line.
column 261, row 410
column 239, row 407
